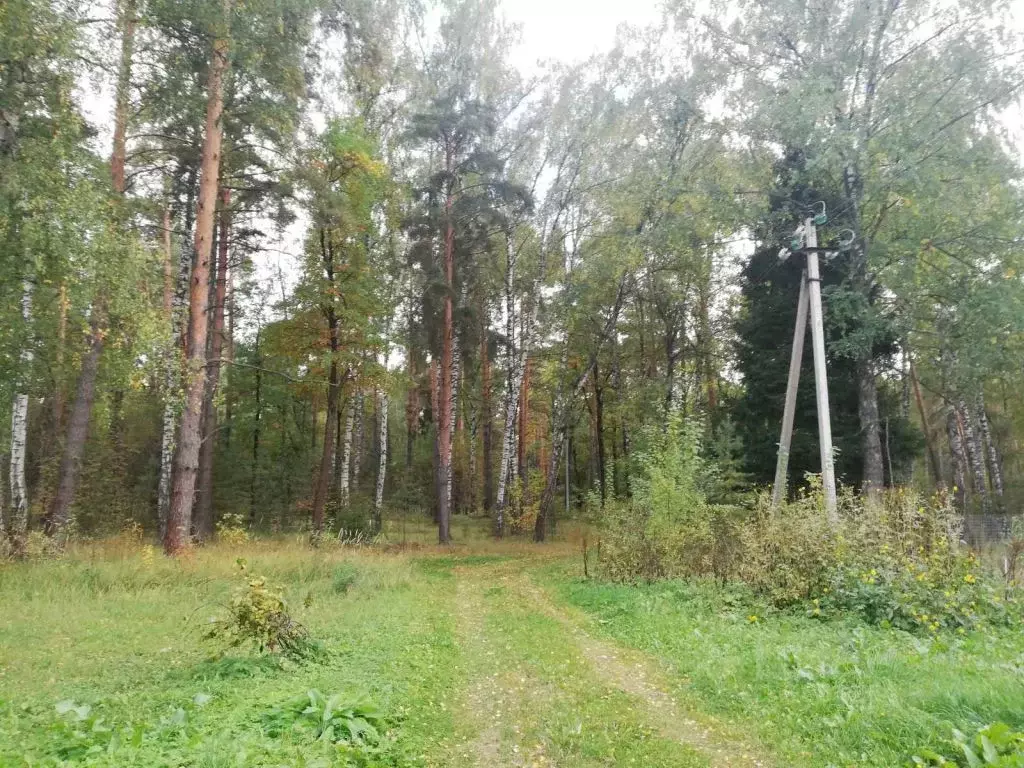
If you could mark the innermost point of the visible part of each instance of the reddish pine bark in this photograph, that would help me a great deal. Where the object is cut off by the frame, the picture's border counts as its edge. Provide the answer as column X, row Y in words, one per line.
column 203, row 527
column 186, row 460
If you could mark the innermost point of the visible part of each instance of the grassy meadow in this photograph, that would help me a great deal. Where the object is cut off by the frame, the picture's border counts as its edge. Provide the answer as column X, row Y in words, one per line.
column 480, row 654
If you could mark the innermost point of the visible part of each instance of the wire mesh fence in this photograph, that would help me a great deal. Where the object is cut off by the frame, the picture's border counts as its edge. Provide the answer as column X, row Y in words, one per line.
column 983, row 528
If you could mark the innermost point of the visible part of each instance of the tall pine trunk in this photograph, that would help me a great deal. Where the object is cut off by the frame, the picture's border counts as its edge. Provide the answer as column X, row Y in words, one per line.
column 203, row 524
column 444, row 421
column 186, row 459
column 412, row 407
column 127, row 23
column 17, row 528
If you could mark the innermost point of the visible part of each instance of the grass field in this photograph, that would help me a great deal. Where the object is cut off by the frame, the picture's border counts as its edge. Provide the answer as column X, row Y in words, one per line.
column 480, row 655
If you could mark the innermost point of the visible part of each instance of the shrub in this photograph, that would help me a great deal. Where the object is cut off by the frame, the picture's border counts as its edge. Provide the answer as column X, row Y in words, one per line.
column 896, row 561
column 232, row 530
column 665, row 529
column 258, row 615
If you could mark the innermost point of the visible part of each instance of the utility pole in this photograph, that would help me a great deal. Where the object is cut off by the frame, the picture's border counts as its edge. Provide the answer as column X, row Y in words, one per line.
column 806, row 239
column 828, row 472
column 795, row 360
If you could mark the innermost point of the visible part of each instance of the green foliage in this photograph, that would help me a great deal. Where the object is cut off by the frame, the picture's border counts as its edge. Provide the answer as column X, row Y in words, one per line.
column 258, row 615
column 333, row 718
column 897, row 563
column 994, row 745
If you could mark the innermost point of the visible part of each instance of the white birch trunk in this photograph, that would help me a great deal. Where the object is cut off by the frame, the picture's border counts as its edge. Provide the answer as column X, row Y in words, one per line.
column 358, row 448
column 975, row 459
column 995, row 469
column 346, row 454
column 18, row 523
column 456, row 377
column 473, row 420
column 382, row 466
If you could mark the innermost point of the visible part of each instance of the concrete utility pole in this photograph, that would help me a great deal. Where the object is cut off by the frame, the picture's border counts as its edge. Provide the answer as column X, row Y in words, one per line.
column 806, row 239
column 795, row 360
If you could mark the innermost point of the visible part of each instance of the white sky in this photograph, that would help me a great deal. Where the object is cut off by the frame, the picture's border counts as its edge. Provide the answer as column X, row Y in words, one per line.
column 570, row 30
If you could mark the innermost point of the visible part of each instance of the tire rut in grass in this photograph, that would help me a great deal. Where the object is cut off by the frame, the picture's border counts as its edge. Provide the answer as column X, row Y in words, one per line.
column 493, row 697
column 632, row 673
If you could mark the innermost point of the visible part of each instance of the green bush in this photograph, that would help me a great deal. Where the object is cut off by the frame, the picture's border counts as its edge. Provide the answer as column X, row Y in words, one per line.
column 896, row 561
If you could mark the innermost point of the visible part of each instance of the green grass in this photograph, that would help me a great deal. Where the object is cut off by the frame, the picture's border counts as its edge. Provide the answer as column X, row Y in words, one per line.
column 123, row 636
column 463, row 661
column 568, row 714
column 821, row 693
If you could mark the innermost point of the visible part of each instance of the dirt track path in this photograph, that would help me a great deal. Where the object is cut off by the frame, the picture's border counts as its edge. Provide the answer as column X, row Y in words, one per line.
column 533, row 661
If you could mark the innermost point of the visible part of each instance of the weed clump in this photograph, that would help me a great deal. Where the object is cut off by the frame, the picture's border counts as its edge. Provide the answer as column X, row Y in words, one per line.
column 258, row 616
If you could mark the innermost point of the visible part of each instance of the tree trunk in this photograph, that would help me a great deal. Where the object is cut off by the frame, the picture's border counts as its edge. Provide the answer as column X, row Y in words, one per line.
column 17, row 528
column 870, row 436
column 124, row 82
column 203, row 527
column 172, row 359
column 453, row 406
column 382, row 465
column 513, row 381
column 975, row 455
column 444, row 422
column 78, row 431
column 599, row 435
column 168, row 253
column 958, row 460
column 346, row 454
column 257, row 423
column 929, row 439
column 488, row 421
column 995, row 464
column 412, row 407
column 359, row 444
column 323, row 482
column 186, row 459
column 63, row 305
